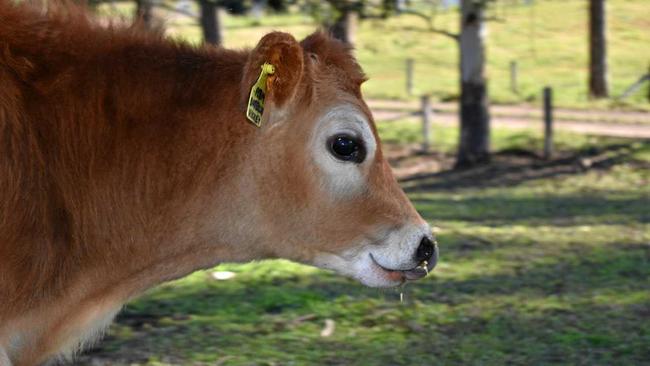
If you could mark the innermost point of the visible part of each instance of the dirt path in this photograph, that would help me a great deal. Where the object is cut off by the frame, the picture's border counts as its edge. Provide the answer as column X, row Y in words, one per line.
column 593, row 122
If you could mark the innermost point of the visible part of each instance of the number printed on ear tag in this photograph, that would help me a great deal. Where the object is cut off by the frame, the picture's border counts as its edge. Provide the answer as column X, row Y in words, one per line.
column 258, row 94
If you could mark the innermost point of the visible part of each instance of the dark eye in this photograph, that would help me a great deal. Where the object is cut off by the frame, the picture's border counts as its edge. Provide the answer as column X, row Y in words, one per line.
column 347, row 148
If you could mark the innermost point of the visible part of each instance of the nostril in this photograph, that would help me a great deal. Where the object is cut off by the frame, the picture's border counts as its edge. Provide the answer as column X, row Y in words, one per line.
column 425, row 250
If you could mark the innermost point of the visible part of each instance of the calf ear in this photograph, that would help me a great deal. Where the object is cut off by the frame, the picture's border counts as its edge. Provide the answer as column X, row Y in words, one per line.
column 285, row 54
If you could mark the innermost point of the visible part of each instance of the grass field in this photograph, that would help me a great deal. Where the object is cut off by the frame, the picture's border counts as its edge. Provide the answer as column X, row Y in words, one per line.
column 542, row 263
column 548, row 40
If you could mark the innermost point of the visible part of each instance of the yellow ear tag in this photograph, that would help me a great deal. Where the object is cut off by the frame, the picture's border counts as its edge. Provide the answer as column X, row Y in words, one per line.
column 258, row 94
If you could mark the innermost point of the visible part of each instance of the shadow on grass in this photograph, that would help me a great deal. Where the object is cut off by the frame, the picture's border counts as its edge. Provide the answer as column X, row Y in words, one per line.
column 581, row 269
column 562, row 210
column 583, row 334
column 517, row 166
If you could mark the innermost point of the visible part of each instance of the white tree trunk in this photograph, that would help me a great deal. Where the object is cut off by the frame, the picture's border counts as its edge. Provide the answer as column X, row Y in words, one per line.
column 472, row 50
column 474, row 143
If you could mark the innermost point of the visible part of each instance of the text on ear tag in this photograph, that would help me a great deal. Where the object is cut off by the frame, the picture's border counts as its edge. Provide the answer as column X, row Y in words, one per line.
column 255, row 107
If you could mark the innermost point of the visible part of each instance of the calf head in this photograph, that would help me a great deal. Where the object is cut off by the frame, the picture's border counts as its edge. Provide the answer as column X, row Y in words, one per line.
column 323, row 192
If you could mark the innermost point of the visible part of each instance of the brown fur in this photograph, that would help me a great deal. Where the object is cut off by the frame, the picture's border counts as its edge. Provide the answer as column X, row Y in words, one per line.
column 121, row 158
column 76, row 113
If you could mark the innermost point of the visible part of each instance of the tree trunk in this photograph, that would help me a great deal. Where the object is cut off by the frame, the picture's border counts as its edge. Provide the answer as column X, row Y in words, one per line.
column 345, row 27
column 144, row 12
column 598, row 87
column 474, row 144
column 257, row 10
column 210, row 22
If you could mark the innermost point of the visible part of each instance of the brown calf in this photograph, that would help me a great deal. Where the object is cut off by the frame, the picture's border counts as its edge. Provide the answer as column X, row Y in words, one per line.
column 127, row 160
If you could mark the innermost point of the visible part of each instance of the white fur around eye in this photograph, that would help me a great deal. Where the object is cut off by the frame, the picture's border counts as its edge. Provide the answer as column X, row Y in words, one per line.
column 342, row 179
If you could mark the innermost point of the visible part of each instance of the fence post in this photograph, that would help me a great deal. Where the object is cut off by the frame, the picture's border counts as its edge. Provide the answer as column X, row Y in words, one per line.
column 514, row 69
column 426, row 122
column 634, row 87
column 409, row 76
column 548, row 122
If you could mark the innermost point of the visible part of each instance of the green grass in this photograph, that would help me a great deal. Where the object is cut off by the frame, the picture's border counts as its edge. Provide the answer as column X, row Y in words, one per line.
column 445, row 139
column 548, row 40
column 542, row 263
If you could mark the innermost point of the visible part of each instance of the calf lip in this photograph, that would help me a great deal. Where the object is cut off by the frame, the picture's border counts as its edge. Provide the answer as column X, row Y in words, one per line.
column 414, row 273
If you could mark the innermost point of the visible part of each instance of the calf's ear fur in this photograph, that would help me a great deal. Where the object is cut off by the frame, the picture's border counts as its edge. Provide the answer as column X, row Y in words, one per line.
column 286, row 55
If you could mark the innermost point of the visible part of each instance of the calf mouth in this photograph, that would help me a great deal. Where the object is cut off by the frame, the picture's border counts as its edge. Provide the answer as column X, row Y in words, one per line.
column 403, row 275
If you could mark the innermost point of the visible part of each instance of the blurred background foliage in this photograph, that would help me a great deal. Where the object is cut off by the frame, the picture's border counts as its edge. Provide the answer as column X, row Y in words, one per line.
column 548, row 40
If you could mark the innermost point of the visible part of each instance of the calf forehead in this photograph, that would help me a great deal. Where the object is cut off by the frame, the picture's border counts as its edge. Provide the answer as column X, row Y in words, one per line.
column 351, row 118
column 328, row 95
column 333, row 57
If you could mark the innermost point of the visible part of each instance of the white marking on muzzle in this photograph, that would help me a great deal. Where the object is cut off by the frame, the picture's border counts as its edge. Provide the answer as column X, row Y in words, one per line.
column 395, row 250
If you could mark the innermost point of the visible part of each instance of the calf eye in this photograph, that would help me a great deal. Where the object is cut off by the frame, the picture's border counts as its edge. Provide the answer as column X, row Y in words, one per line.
column 347, row 148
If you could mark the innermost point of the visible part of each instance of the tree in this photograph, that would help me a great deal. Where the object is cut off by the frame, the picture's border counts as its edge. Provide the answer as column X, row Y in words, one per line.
column 144, row 12
column 210, row 22
column 474, row 144
column 209, row 17
column 598, row 86
column 341, row 17
column 474, row 140
column 345, row 24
